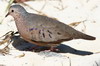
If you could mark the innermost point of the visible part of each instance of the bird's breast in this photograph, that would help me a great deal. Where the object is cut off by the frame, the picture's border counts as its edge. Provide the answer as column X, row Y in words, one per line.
column 22, row 28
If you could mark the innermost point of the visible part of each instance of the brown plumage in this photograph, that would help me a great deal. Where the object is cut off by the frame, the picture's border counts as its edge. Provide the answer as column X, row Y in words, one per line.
column 42, row 30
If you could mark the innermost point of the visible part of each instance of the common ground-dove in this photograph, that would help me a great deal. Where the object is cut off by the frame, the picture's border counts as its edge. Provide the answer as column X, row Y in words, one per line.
column 42, row 30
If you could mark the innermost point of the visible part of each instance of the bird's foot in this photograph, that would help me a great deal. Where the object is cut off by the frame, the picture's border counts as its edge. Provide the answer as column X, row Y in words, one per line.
column 38, row 49
column 54, row 49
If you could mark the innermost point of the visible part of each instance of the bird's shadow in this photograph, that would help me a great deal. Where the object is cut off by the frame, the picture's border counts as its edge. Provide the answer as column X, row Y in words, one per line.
column 23, row 45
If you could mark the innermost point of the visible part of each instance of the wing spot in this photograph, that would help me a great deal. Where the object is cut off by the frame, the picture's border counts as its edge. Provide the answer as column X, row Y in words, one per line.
column 39, row 31
column 49, row 31
column 32, row 29
column 58, row 33
column 50, row 36
column 43, row 35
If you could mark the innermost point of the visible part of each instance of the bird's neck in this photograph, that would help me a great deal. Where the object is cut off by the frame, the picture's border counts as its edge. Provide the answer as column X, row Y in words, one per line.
column 21, row 26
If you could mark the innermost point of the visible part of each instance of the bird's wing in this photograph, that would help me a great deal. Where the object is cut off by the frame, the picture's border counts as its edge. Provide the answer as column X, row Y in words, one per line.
column 48, row 30
column 48, row 34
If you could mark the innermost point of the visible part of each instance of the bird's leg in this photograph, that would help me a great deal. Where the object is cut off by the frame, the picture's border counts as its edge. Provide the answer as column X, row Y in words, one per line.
column 54, row 49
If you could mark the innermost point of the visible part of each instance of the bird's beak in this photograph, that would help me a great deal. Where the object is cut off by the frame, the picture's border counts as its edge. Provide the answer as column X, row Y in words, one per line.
column 7, row 14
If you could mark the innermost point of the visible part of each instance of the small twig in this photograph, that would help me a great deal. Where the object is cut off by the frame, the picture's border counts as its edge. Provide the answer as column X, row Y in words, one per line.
column 2, row 65
column 84, row 26
column 7, row 33
column 10, row 3
column 61, row 6
column 96, row 63
column 5, row 50
column 97, row 52
column 43, row 5
column 3, row 17
column 8, row 36
column 69, row 61
column 41, row 13
column 19, row 56
column 74, row 24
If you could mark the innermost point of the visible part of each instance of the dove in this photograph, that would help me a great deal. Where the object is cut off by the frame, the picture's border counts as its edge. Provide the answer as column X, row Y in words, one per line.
column 42, row 30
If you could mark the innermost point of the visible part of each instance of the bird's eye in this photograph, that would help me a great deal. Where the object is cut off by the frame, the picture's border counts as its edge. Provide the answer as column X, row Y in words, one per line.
column 12, row 10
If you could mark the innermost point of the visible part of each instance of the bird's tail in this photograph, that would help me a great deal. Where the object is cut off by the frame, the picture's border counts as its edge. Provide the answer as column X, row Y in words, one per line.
column 85, row 36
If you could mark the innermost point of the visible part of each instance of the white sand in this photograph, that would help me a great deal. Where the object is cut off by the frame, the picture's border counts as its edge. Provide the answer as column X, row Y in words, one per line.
column 72, row 11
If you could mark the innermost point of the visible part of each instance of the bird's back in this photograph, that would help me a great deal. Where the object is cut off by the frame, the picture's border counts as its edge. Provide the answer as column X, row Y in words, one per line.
column 46, row 29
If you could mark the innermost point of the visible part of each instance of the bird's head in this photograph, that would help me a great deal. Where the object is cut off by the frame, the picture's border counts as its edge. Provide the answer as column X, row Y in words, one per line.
column 16, row 10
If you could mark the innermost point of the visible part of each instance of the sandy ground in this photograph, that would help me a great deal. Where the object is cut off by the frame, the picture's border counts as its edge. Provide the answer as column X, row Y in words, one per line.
column 73, row 53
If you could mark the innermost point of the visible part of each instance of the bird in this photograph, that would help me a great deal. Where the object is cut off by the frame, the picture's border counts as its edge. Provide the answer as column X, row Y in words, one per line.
column 42, row 30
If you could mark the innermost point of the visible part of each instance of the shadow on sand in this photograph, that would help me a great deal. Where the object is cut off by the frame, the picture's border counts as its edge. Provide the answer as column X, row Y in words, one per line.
column 23, row 45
